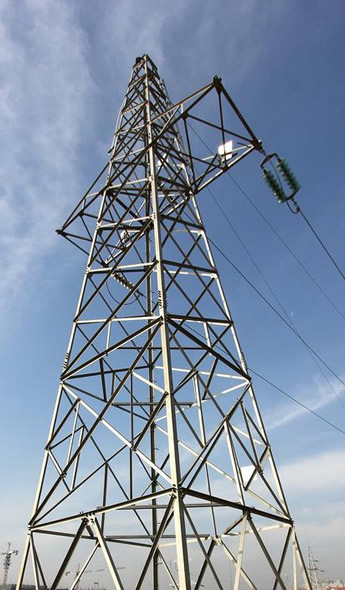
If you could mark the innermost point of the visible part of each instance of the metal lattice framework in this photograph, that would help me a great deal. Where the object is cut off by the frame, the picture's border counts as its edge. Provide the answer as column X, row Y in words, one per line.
column 157, row 461
column 313, row 571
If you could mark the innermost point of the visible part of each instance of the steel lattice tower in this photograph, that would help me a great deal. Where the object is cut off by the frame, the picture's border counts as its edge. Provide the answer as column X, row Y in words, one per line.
column 157, row 462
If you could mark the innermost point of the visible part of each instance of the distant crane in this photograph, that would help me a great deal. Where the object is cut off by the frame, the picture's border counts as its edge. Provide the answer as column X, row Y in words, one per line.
column 78, row 574
column 7, row 562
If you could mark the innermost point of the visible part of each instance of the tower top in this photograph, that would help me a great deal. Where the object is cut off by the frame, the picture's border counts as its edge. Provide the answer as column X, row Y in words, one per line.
column 145, row 58
column 212, row 132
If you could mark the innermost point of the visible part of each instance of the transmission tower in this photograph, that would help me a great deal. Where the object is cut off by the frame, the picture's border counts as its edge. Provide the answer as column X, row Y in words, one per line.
column 7, row 562
column 157, row 457
column 313, row 571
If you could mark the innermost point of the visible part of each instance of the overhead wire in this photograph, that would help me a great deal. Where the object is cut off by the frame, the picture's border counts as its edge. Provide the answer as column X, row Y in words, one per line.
column 299, row 210
column 276, row 233
column 297, row 401
column 278, row 388
column 269, row 304
column 287, row 322
column 295, row 209
column 226, row 217
column 314, row 355
column 286, row 245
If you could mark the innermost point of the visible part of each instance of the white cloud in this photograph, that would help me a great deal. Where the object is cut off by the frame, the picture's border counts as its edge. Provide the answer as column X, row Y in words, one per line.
column 315, row 488
column 45, row 87
column 315, row 398
column 322, row 473
column 136, row 28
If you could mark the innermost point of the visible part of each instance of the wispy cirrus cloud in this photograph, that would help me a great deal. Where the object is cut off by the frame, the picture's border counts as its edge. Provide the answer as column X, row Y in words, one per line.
column 315, row 397
column 45, row 89
column 320, row 473
column 315, row 487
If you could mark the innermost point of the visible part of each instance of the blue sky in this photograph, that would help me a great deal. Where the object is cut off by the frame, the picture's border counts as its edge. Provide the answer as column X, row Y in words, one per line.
column 64, row 69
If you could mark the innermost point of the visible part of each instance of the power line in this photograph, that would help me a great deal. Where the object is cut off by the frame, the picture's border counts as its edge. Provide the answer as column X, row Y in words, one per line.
column 304, row 268
column 273, row 293
column 296, row 401
column 308, row 348
column 276, row 311
column 291, row 397
column 299, row 210
column 290, row 323
column 285, row 244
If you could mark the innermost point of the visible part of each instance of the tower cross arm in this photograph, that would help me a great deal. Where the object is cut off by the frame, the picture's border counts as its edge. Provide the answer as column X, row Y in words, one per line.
column 214, row 136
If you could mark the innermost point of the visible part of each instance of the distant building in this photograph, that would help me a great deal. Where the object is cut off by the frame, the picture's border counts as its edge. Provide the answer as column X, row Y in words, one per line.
column 23, row 587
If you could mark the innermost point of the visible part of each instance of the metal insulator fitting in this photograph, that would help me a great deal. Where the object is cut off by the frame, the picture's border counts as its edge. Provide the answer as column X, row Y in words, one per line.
column 65, row 362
